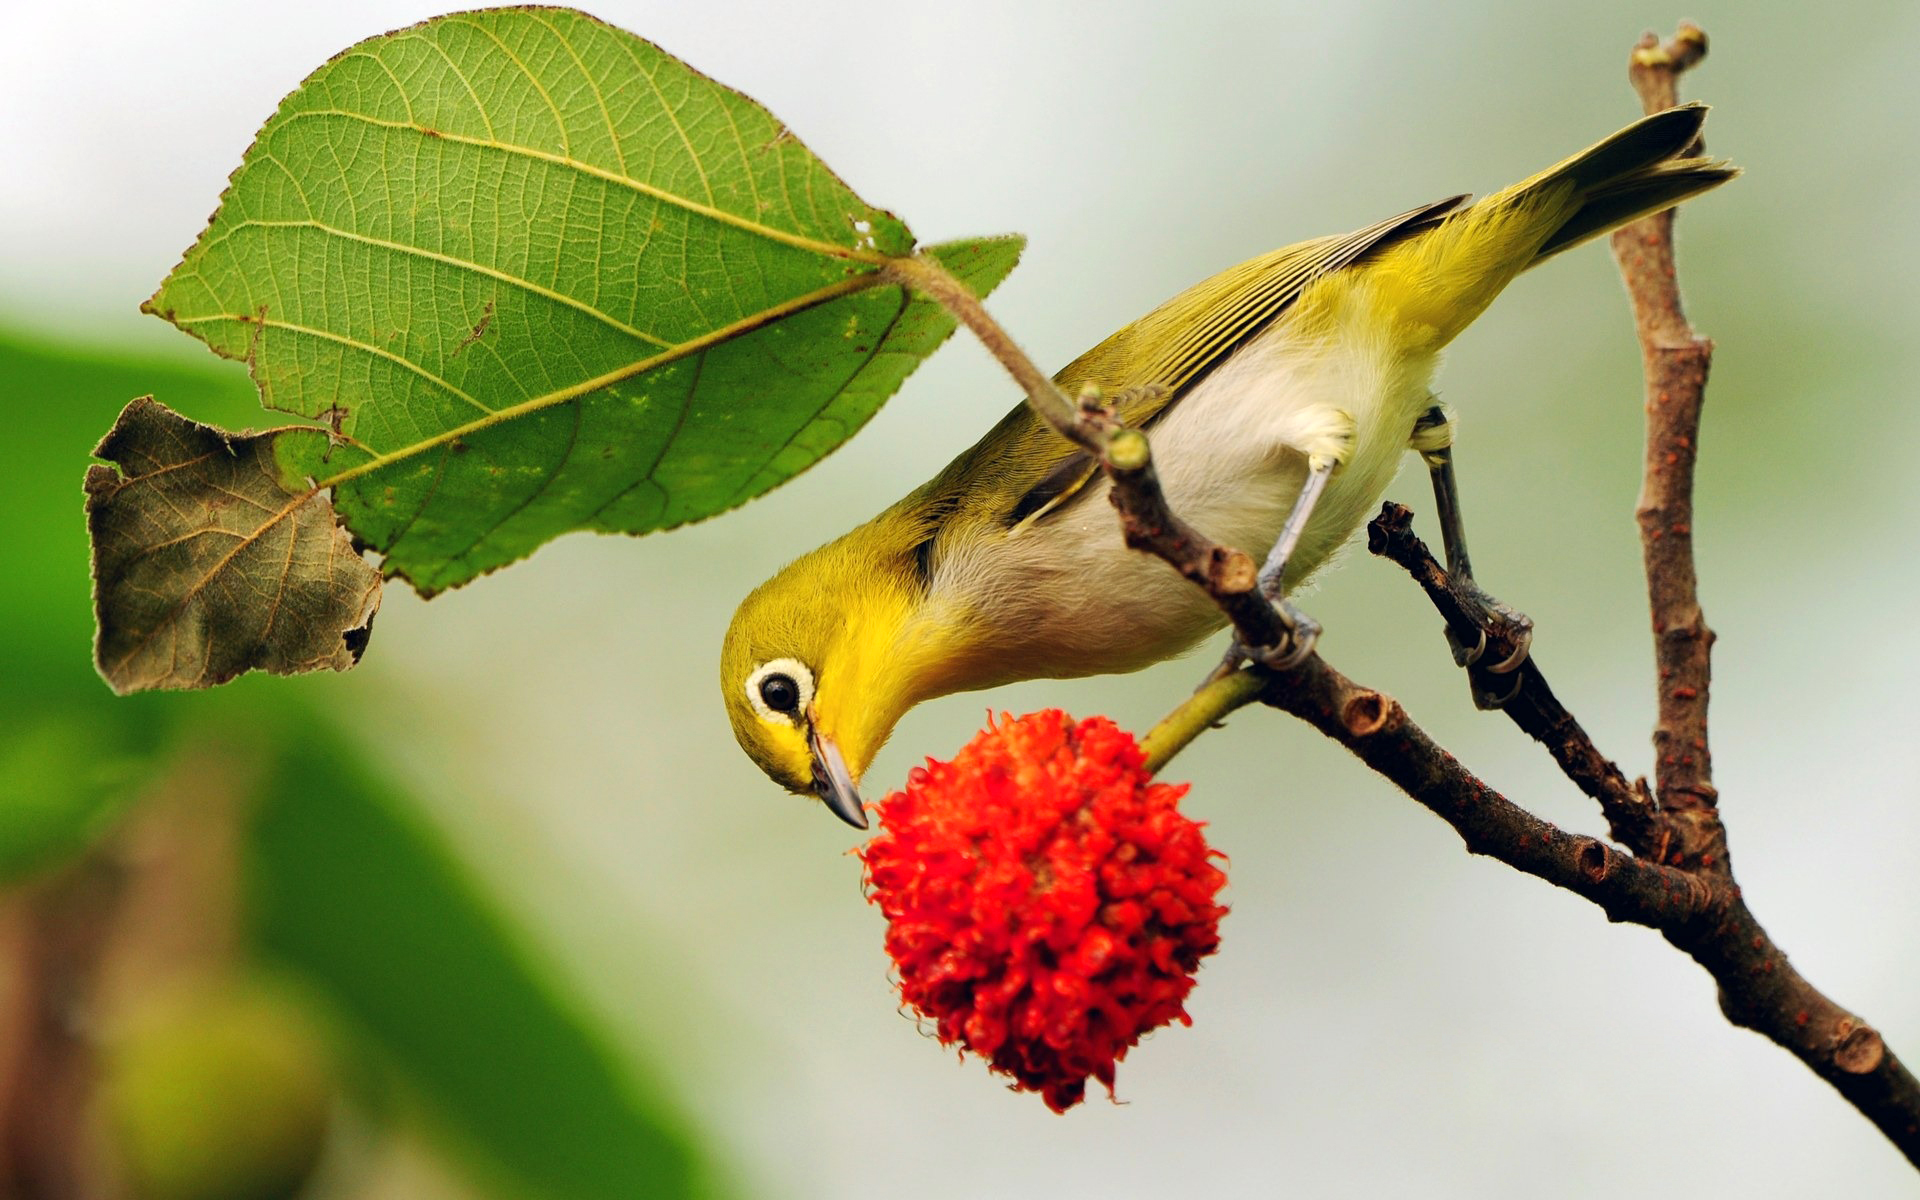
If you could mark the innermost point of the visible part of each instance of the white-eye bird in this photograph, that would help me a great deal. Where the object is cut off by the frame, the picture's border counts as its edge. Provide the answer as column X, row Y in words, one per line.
column 1288, row 386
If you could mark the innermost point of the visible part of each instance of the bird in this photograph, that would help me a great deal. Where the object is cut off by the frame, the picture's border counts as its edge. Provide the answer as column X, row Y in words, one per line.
column 1279, row 396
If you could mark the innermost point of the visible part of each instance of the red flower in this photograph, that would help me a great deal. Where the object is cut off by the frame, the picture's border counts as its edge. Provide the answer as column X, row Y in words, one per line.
column 1046, row 902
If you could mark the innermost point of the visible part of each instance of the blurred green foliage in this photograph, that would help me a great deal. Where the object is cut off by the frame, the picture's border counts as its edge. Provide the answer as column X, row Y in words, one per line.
column 60, row 784
column 354, row 888
column 351, row 887
column 70, row 752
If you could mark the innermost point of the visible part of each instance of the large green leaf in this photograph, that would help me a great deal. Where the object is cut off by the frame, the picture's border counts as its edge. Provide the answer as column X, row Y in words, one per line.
column 355, row 890
column 538, row 276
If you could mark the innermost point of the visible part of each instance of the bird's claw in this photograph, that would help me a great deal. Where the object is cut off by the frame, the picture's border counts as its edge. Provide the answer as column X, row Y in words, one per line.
column 1463, row 654
column 1302, row 635
column 1495, row 624
column 1522, row 649
column 1228, row 664
column 1506, row 624
column 1485, row 698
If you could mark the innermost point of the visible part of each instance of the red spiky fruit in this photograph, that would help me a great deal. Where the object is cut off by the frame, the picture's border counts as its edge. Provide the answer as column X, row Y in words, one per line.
column 1047, row 903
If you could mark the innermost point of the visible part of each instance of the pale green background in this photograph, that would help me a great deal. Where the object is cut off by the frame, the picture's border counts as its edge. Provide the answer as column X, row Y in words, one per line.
column 1387, row 1017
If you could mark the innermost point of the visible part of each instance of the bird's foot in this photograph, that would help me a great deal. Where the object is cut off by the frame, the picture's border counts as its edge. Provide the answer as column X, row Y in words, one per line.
column 1502, row 630
column 1301, row 634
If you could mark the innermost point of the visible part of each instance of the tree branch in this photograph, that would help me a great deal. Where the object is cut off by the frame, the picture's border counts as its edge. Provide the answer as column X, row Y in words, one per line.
column 1681, row 837
column 1200, row 712
column 1675, row 360
column 1632, row 816
column 1699, row 911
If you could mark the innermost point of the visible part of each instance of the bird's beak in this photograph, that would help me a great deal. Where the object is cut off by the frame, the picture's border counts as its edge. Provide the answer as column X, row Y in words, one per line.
column 833, row 783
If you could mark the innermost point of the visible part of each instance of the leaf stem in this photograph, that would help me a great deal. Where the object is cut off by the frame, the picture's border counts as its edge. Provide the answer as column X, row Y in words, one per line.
column 1044, row 396
column 1200, row 712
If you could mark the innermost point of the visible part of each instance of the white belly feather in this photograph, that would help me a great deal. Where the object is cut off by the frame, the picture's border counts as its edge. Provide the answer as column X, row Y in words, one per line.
column 1063, row 596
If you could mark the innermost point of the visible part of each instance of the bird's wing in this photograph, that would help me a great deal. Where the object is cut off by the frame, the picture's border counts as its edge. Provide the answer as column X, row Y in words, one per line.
column 1145, row 368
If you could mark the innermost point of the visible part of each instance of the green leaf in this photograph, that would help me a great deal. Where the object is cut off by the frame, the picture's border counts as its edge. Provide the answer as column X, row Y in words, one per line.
column 62, row 781
column 208, row 563
column 539, row 276
column 352, row 888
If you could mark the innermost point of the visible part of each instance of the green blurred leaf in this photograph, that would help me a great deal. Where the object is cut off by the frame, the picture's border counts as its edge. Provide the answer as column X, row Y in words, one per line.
column 70, row 754
column 60, row 784
column 542, row 276
column 353, row 889
column 356, row 892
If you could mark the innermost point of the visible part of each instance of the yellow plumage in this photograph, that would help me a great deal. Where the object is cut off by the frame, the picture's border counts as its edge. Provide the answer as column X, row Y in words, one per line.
column 1007, row 566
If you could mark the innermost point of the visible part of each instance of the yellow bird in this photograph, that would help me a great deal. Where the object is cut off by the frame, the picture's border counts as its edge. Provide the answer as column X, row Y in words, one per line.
column 1279, row 396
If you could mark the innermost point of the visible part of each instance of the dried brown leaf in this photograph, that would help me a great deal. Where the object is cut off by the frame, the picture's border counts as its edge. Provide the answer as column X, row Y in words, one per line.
column 208, row 562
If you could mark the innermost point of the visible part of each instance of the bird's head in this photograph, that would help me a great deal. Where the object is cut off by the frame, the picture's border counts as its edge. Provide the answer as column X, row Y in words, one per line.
column 818, row 666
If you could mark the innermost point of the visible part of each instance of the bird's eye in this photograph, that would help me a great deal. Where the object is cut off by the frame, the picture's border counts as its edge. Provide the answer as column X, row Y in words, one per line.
column 780, row 692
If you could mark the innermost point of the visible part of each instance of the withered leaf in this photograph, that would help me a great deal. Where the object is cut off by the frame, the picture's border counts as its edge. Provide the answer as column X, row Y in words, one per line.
column 208, row 561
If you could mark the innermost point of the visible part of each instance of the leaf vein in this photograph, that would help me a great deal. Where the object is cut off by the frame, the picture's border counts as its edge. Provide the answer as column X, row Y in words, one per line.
column 593, row 85
column 673, row 118
column 292, row 178
column 485, row 118
column 573, row 442
column 398, row 87
column 747, row 324
column 707, row 211
column 192, row 592
column 340, row 339
column 559, row 121
column 906, row 300
column 464, row 264
column 433, row 489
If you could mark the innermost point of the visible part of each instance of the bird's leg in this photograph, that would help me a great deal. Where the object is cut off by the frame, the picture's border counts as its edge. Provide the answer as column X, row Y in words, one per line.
column 1302, row 631
column 1272, row 575
column 1433, row 438
column 1330, row 447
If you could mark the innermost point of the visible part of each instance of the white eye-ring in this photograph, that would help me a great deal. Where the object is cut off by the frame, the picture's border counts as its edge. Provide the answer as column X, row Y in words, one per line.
column 780, row 690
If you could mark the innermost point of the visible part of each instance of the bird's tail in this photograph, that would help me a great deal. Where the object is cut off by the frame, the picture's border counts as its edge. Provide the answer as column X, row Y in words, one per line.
column 1446, row 277
column 1648, row 167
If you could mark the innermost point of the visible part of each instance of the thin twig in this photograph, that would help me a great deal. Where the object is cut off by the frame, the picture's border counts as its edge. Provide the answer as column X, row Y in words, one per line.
column 1629, row 810
column 1758, row 988
column 1226, row 574
column 1201, row 712
column 1378, row 731
column 1044, row 397
column 1675, row 360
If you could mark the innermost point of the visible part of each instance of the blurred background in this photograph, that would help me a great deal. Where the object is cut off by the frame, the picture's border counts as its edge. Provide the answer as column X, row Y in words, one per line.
column 504, row 911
